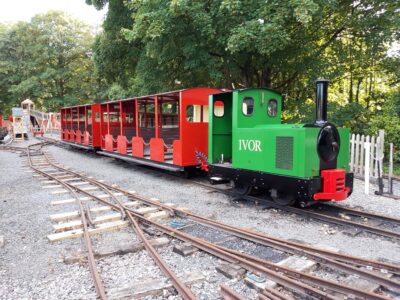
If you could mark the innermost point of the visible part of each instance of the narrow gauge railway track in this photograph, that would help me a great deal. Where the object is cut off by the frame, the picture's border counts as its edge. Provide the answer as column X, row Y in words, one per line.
column 382, row 225
column 308, row 285
column 100, row 289
column 332, row 214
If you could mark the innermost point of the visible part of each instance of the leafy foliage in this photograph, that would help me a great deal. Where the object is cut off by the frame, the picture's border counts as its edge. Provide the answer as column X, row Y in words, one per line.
column 47, row 60
column 389, row 119
column 286, row 45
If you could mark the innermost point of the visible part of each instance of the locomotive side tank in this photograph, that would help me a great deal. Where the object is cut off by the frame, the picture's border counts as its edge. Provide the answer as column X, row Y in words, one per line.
column 291, row 163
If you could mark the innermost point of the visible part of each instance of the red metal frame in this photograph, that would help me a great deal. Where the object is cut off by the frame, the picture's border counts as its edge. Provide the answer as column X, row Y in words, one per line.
column 78, row 134
column 109, row 126
column 96, row 125
column 193, row 136
column 71, row 125
column 333, row 185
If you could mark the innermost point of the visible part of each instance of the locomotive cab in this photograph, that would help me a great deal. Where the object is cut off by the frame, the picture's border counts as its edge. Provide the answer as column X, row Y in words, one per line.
column 290, row 163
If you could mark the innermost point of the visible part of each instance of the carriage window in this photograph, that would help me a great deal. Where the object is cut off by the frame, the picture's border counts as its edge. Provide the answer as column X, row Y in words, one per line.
column 197, row 113
column 272, row 108
column 129, row 118
column 170, row 118
column 89, row 117
column 114, row 117
column 218, row 108
column 248, row 106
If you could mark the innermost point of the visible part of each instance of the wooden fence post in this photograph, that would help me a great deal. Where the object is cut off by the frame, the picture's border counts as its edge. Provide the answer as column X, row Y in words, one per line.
column 352, row 152
column 390, row 190
column 372, row 156
column 357, row 162
column 362, row 164
column 381, row 149
column 367, row 146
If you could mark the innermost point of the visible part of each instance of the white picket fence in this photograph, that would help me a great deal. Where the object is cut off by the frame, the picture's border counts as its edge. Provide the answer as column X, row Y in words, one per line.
column 358, row 153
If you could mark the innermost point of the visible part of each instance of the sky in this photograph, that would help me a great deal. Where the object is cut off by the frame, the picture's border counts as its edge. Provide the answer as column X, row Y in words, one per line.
column 24, row 10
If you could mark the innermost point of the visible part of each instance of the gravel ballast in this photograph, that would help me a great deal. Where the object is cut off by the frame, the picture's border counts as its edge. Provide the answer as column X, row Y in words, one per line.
column 183, row 193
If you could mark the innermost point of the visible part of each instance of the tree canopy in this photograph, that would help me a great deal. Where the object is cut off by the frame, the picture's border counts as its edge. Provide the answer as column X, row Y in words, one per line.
column 47, row 60
column 152, row 46
column 285, row 45
column 245, row 43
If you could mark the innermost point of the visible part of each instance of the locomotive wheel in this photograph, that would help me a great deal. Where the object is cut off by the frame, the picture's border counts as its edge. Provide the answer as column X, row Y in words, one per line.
column 304, row 204
column 282, row 199
column 242, row 189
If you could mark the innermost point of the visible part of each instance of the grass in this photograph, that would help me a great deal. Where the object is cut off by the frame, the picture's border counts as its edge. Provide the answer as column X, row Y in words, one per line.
column 396, row 169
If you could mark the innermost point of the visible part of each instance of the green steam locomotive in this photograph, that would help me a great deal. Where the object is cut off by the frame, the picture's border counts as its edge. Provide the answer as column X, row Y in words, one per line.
column 290, row 163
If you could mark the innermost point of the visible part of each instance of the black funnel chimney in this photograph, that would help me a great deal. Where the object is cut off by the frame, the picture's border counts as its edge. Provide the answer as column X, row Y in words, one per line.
column 321, row 102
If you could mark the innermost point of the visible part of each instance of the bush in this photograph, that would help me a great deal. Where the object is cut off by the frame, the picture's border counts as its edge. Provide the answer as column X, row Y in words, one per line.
column 389, row 120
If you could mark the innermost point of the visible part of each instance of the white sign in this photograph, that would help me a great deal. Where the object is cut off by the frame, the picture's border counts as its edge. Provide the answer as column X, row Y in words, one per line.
column 250, row 145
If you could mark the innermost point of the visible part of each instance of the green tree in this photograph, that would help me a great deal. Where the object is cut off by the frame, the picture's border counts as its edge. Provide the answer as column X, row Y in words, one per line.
column 47, row 60
column 115, row 57
column 284, row 45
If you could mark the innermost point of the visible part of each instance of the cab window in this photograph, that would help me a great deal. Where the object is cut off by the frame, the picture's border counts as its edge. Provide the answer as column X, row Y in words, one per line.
column 248, row 106
column 219, row 108
column 272, row 107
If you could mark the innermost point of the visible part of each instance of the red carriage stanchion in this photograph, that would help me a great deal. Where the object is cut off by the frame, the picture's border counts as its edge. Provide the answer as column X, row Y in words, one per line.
column 80, row 126
column 162, row 130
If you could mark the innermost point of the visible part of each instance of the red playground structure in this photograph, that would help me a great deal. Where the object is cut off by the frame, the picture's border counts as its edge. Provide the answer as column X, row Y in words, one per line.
column 167, row 130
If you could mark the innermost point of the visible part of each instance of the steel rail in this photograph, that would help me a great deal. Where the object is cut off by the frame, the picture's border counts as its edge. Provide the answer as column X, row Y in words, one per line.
column 364, row 214
column 339, row 221
column 309, row 279
column 200, row 218
column 210, row 248
column 264, row 297
column 269, row 297
column 311, row 214
column 111, row 187
column 381, row 282
column 286, row 246
column 247, row 234
column 309, row 253
column 229, row 294
column 341, row 257
column 293, row 274
column 282, row 246
column 182, row 289
column 273, row 273
column 100, row 290
column 278, row 295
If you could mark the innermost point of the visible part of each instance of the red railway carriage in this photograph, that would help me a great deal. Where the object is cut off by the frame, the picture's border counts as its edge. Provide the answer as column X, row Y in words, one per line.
column 167, row 130
column 80, row 125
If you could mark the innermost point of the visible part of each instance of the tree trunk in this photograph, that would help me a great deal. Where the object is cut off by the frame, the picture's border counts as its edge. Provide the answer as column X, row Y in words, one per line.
column 266, row 77
column 360, row 80
column 351, row 88
column 61, row 88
